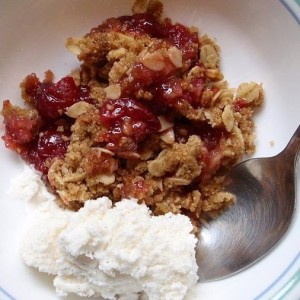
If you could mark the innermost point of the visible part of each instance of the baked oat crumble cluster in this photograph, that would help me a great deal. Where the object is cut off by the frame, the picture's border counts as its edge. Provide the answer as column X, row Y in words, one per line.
column 147, row 115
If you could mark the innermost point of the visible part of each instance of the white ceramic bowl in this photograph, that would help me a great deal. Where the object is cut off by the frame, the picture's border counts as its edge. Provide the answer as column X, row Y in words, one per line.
column 260, row 41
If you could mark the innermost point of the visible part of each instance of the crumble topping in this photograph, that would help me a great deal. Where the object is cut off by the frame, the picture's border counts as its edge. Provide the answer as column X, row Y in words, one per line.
column 147, row 115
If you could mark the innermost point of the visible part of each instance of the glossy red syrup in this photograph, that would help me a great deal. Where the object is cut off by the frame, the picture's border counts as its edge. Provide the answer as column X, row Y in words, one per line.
column 128, row 122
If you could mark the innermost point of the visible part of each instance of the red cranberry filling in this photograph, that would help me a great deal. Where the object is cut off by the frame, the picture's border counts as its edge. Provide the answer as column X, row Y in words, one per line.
column 239, row 104
column 184, row 39
column 211, row 136
column 168, row 92
column 84, row 94
column 128, row 122
column 173, row 92
column 193, row 95
column 50, row 143
column 52, row 99
column 144, row 78
column 177, row 34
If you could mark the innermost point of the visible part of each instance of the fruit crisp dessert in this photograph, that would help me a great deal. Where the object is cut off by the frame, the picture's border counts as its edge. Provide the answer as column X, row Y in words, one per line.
column 148, row 115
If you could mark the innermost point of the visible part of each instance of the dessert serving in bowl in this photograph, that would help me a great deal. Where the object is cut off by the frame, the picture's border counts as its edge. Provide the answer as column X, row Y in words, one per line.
column 146, row 114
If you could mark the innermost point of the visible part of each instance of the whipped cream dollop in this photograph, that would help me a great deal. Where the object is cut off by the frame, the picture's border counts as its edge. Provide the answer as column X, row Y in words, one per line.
column 112, row 251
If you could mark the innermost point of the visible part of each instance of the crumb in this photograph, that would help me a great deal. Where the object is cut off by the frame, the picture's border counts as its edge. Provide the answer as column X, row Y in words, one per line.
column 147, row 115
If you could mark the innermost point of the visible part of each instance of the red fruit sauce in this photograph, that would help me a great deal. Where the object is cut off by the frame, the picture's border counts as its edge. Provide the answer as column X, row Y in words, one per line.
column 128, row 122
column 52, row 99
column 177, row 34
column 49, row 144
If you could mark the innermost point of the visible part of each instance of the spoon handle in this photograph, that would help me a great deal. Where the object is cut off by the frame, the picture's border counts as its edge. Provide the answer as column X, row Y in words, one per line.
column 292, row 149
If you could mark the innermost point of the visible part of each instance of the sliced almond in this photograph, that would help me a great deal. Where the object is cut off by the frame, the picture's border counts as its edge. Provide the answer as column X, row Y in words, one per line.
column 209, row 56
column 73, row 45
column 216, row 96
column 228, row 118
column 60, row 129
column 239, row 138
column 175, row 56
column 177, row 181
column 116, row 54
column 53, row 176
column 99, row 149
column 154, row 61
column 146, row 154
column 168, row 136
column 249, row 91
column 164, row 123
column 64, row 197
column 154, row 168
column 159, row 183
column 106, row 179
column 113, row 91
column 77, row 109
column 75, row 177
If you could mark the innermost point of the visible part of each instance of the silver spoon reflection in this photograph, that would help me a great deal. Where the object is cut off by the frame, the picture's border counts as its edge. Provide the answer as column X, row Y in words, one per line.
column 265, row 193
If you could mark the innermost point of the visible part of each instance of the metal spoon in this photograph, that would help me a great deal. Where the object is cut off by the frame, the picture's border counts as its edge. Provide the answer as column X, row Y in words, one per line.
column 265, row 193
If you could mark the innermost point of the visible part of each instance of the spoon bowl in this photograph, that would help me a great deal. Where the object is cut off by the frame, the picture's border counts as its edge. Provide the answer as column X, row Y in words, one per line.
column 265, row 202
